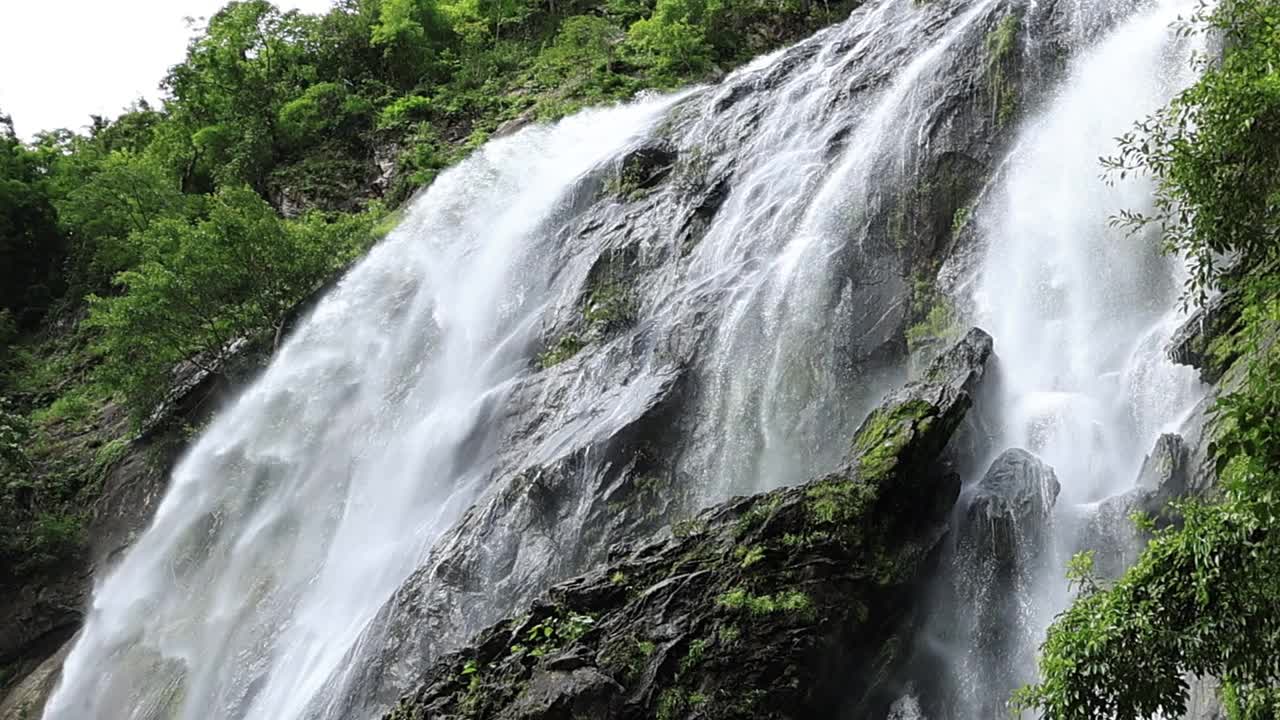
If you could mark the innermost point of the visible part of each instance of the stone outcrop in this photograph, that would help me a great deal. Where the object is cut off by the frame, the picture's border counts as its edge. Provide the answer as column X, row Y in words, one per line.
column 1110, row 532
column 1010, row 508
column 1194, row 342
column 1002, row 545
column 796, row 603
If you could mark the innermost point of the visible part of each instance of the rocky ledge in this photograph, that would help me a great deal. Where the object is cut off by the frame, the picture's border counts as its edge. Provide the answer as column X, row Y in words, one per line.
column 797, row 603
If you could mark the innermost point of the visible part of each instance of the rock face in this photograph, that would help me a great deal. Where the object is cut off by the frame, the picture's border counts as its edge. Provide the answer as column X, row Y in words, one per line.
column 1193, row 342
column 1002, row 544
column 1165, row 475
column 27, row 698
column 796, row 603
column 1110, row 532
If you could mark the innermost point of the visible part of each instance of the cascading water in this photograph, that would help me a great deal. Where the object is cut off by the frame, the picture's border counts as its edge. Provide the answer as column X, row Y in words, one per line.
column 775, row 415
column 1081, row 315
column 307, row 503
column 403, row 474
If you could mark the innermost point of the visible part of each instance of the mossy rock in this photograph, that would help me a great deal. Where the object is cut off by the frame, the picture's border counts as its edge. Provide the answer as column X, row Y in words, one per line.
column 804, row 594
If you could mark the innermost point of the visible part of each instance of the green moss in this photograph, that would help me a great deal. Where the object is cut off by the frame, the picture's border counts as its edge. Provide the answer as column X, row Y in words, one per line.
column 553, row 633
column 790, row 602
column 749, row 555
column 688, row 528
column 609, row 306
column 809, row 539
column 1001, row 44
column 756, row 515
column 628, row 183
column 672, row 703
column 565, row 348
column 627, row 658
column 693, row 657
column 388, row 222
column 886, row 433
column 834, row 501
column 728, row 634
column 960, row 220
column 938, row 324
column 108, row 455
column 74, row 407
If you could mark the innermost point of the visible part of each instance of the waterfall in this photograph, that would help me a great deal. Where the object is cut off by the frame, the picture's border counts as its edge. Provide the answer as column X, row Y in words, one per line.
column 417, row 463
column 306, row 503
column 1081, row 315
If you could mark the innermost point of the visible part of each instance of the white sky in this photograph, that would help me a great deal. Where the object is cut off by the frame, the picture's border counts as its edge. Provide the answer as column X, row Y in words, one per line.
column 63, row 60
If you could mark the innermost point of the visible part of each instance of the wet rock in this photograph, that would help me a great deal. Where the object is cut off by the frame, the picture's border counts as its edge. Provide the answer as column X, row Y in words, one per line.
column 1193, row 343
column 644, row 168
column 1165, row 475
column 37, row 618
column 515, row 124
column 1110, row 532
column 557, row 515
column 27, row 698
column 798, row 603
column 1002, row 545
column 1010, row 508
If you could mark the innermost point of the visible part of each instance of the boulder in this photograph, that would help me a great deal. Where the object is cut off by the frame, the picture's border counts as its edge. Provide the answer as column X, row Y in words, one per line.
column 1002, row 543
column 1165, row 475
column 1010, row 507
column 1110, row 532
column 1193, row 343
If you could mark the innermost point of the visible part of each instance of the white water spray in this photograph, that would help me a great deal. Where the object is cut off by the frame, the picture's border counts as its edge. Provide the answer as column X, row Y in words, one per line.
column 308, row 502
column 1080, row 312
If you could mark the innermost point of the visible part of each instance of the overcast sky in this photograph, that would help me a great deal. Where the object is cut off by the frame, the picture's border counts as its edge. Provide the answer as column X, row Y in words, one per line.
column 63, row 60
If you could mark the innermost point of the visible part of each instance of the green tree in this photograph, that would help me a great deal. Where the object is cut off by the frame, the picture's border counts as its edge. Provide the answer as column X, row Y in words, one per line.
column 31, row 250
column 237, row 74
column 324, row 111
column 411, row 33
column 585, row 47
column 123, row 195
column 202, row 286
column 673, row 39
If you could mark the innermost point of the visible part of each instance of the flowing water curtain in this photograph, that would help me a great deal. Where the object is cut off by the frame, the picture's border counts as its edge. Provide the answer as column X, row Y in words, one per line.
column 306, row 504
column 1081, row 315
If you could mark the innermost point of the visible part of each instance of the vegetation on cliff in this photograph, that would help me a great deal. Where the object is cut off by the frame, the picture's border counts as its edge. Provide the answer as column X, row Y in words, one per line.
column 1202, row 600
